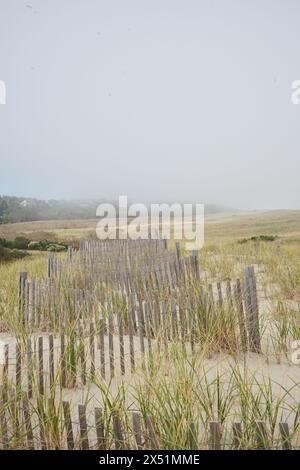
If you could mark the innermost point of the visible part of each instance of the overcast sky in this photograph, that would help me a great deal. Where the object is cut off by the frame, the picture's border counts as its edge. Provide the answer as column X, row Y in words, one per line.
column 156, row 99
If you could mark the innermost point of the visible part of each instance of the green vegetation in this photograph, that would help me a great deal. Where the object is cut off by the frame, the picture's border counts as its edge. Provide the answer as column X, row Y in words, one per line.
column 182, row 392
column 259, row 238
column 6, row 254
column 19, row 209
column 23, row 243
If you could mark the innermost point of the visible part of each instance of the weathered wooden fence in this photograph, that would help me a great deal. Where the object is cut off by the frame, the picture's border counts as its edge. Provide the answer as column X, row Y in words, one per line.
column 104, row 309
column 84, row 288
column 79, row 427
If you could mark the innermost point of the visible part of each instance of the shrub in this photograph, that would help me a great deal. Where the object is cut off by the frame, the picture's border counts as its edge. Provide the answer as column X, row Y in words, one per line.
column 21, row 243
column 56, row 247
column 34, row 246
column 44, row 244
column 6, row 243
column 259, row 238
column 7, row 254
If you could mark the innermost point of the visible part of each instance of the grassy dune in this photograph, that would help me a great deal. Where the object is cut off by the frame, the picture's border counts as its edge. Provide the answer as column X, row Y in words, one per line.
column 219, row 227
column 222, row 255
column 219, row 386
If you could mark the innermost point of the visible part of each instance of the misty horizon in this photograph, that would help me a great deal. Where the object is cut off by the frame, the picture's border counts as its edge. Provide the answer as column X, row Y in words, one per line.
column 160, row 101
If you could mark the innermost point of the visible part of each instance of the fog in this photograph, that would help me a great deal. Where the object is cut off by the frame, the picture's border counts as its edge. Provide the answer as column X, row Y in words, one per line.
column 159, row 100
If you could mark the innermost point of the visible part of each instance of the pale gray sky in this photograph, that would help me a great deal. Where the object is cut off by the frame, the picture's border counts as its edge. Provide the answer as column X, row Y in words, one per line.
column 156, row 99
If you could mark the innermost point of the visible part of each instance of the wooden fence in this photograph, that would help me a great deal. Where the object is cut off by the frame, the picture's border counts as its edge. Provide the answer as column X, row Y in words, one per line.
column 111, row 305
column 70, row 427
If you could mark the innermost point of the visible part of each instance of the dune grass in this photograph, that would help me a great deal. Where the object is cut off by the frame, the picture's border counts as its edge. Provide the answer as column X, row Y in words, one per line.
column 181, row 393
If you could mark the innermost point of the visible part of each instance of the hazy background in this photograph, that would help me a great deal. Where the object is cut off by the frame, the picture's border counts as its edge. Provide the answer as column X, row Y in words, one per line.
column 157, row 99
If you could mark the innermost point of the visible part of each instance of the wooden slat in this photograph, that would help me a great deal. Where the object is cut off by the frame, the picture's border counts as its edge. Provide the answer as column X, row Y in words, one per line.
column 241, row 315
column 18, row 365
column 137, row 429
column 22, row 295
column 68, row 425
column 51, row 361
column 285, row 436
column 148, row 329
column 141, row 335
column 121, row 343
column 131, row 343
column 62, row 361
column 84, row 440
column 261, row 435
column 220, row 295
column 192, row 436
column 99, row 424
column 29, row 368
column 111, row 345
column 41, row 365
column 3, row 421
column 237, row 435
column 92, row 351
column 118, row 431
column 215, row 435
column 42, row 432
column 153, row 440
column 28, row 425
column 102, row 346
column 250, row 294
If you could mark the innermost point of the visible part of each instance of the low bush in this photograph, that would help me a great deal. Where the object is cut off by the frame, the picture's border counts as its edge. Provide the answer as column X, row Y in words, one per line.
column 21, row 243
column 34, row 246
column 259, row 238
column 6, row 243
column 56, row 247
column 6, row 254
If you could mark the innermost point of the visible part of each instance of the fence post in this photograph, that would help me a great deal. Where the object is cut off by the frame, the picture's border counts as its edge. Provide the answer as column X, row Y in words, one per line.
column 22, row 295
column 252, row 309
column 195, row 263
column 241, row 315
column 177, row 247
column 50, row 265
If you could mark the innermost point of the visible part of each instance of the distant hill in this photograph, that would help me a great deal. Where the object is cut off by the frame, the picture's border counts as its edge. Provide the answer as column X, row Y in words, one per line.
column 216, row 209
column 21, row 209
